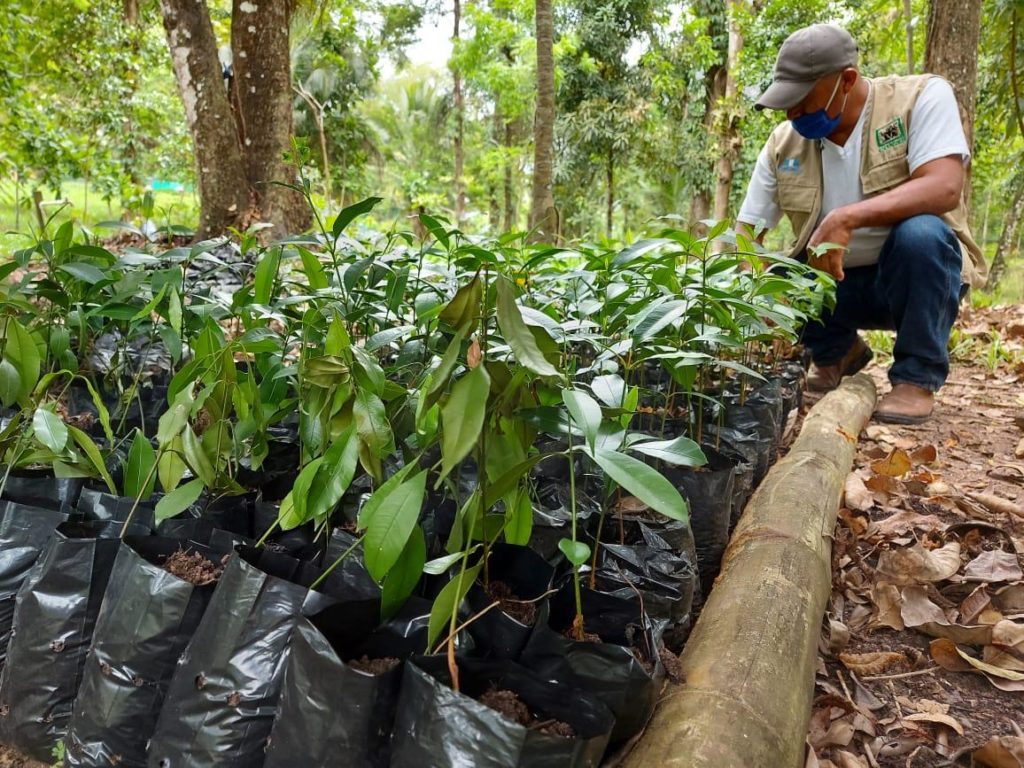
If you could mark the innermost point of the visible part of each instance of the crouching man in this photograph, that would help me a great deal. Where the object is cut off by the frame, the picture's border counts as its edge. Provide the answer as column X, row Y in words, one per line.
column 875, row 166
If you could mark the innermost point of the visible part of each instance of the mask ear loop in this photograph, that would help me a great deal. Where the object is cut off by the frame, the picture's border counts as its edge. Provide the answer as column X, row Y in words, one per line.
column 831, row 98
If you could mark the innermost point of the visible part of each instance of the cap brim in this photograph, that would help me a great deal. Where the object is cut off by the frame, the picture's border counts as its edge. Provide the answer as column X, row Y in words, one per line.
column 784, row 94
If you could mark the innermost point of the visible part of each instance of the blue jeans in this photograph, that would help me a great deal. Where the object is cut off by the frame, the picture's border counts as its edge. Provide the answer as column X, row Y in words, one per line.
column 914, row 289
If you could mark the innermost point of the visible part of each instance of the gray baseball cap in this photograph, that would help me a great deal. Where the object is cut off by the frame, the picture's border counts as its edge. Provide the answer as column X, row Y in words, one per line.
column 807, row 55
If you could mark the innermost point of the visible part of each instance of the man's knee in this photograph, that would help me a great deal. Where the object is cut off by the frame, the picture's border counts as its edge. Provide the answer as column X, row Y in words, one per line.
column 922, row 236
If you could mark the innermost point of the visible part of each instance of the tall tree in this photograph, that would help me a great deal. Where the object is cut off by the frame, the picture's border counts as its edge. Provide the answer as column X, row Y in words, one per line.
column 223, row 186
column 951, row 50
column 543, row 216
column 239, row 144
column 729, row 141
column 460, row 192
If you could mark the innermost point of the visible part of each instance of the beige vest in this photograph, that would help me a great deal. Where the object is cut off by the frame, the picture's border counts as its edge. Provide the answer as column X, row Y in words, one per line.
column 797, row 165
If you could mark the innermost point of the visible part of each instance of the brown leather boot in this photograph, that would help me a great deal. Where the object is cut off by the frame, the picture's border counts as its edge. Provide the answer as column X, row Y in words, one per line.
column 906, row 404
column 825, row 378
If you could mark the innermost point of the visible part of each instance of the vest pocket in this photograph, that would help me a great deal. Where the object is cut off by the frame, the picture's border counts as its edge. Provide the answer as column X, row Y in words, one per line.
column 797, row 197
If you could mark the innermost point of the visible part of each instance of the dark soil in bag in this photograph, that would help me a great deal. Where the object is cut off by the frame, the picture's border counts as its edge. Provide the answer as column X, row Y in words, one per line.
column 158, row 591
column 339, row 664
column 42, row 489
column 517, row 578
column 222, row 698
column 24, row 532
column 708, row 491
column 619, row 661
column 54, row 617
column 503, row 716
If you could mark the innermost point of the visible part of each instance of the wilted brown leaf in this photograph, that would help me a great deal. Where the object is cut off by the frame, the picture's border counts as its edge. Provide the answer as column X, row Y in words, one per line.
column 994, row 566
column 904, row 521
column 856, row 495
column 1009, row 599
column 867, row 664
column 887, row 600
column 917, row 565
column 997, row 504
column 926, row 454
column 896, row 464
column 944, row 652
column 932, row 717
column 1001, row 752
column 474, row 355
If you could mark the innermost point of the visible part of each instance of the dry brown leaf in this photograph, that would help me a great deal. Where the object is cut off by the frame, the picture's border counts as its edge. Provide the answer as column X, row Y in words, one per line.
column 917, row 609
column 844, row 759
column 990, row 670
column 1018, row 452
column 1007, row 648
column 868, row 664
column 856, row 521
column 1001, row 752
column 896, row 464
column 838, row 636
column 994, row 566
column 976, row 602
column 932, row 717
column 904, row 521
column 916, row 565
column 1009, row 599
column 997, row 504
column 884, row 484
column 944, row 652
column 926, row 454
column 856, row 495
column 887, row 600
column 975, row 634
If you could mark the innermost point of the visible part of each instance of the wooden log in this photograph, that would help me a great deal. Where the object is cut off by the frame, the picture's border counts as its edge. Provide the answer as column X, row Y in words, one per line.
column 749, row 664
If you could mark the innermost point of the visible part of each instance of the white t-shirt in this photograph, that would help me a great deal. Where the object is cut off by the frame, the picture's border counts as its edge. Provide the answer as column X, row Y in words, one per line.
column 935, row 131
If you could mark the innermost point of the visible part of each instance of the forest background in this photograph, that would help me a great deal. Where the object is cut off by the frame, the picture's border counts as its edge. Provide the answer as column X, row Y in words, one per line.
column 581, row 119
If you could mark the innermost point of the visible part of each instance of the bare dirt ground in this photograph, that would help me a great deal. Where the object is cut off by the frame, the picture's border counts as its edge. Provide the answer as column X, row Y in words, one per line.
column 921, row 659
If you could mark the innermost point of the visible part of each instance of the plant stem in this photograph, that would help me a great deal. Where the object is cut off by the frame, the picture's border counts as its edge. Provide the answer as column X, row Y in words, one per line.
column 323, row 576
column 131, row 512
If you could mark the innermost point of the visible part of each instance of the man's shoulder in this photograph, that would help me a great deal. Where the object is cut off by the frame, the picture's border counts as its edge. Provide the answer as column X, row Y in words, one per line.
column 898, row 85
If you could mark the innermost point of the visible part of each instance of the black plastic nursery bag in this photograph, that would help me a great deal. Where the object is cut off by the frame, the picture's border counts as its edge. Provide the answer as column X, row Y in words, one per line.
column 438, row 727
column 146, row 620
column 43, row 490
column 54, row 618
column 24, row 532
column 221, row 702
column 99, row 505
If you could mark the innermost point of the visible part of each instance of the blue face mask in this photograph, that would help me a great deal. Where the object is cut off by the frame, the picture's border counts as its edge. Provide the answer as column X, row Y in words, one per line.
column 818, row 125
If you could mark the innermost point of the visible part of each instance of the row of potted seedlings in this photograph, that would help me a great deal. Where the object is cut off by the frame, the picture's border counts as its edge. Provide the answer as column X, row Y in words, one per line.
column 384, row 505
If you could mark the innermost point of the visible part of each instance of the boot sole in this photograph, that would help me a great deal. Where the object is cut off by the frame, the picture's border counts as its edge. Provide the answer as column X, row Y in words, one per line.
column 901, row 418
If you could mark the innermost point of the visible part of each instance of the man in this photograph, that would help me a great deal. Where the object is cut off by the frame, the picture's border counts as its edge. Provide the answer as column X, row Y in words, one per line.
column 875, row 167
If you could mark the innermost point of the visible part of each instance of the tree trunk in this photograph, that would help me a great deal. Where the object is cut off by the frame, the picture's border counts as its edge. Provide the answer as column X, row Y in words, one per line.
column 951, row 50
column 543, row 217
column 908, row 14
column 729, row 138
column 610, row 203
column 1006, row 238
column 460, row 192
column 714, row 92
column 263, row 77
column 223, row 188
column 509, row 185
column 130, row 153
column 749, row 664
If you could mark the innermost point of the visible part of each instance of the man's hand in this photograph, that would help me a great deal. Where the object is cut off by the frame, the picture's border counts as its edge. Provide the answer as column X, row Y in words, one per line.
column 834, row 228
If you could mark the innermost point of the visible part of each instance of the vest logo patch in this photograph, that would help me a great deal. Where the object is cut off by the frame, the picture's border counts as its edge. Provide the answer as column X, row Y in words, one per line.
column 790, row 165
column 892, row 134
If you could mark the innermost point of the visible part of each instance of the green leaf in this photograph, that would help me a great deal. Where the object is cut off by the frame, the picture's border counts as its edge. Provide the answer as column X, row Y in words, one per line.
column 93, row 454
column 178, row 500
column 170, row 467
column 349, row 213
column 300, row 494
column 174, row 419
column 335, row 474
column 462, row 418
column 388, row 336
column 372, row 422
column 101, row 409
column 610, row 389
column 80, row 270
column 462, row 311
column 682, row 451
column 50, row 430
column 642, row 481
column 405, row 576
column 439, row 377
column 10, row 383
column 436, row 229
column 448, row 601
column 313, row 269
column 369, row 509
column 141, row 458
column 326, row 371
column 517, row 334
column 20, row 349
column 518, row 518
column 439, row 565
column 585, row 412
column 196, row 457
column 390, row 526
column 576, row 552
column 266, row 273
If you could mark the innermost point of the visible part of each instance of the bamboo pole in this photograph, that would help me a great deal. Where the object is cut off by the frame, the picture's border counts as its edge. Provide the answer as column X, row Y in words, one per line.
column 749, row 664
